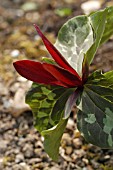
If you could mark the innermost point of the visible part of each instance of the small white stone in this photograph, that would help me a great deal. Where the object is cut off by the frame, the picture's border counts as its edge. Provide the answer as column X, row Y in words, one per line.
column 90, row 6
column 1, row 160
column 24, row 166
column 20, row 13
column 21, row 79
column 15, row 53
column 42, row 138
column 107, row 157
column 37, row 37
column 19, row 158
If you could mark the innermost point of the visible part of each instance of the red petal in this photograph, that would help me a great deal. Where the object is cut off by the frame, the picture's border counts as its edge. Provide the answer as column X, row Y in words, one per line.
column 60, row 60
column 62, row 75
column 35, row 72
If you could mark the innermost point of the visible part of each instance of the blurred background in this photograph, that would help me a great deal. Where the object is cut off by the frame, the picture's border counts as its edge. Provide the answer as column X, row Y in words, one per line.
column 21, row 146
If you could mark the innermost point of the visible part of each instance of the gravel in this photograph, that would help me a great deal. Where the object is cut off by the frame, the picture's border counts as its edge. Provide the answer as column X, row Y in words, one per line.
column 21, row 148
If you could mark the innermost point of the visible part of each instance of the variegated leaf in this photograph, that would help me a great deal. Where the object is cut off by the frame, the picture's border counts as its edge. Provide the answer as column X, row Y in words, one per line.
column 48, row 104
column 95, row 118
column 42, row 99
column 74, row 39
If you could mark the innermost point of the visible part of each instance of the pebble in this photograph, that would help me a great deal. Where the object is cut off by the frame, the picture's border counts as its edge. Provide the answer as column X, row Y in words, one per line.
column 66, row 157
column 12, row 151
column 19, row 158
column 28, row 150
column 94, row 163
column 69, row 150
column 54, row 168
column 21, row 142
column 21, row 166
column 28, row 6
column 90, row 6
column 22, row 79
column 3, row 146
column 38, row 151
column 84, row 168
column 71, row 124
column 18, row 105
column 15, row 53
column 74, row 157
column 66, row 139
column 77, row 143
column 39, row 144
column 9, row 135
column 77, row 134
column 23, row 127
column 107, row 157
column 35, row 160
column 79, row 152
column 86, row 161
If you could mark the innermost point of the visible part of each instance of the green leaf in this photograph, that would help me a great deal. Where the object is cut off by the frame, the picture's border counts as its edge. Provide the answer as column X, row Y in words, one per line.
column 41, row 99
column 95, row 118
column 74, row 39
column 62, row 12
column 53, row 137
column 48, row 104
column 105, row 79
column 108, row 26
column 97, row 21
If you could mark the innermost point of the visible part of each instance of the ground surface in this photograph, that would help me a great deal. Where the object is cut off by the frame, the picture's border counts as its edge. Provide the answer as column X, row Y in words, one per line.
column 21, row 146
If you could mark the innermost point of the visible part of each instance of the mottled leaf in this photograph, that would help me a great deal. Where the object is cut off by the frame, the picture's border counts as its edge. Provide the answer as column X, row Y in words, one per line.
column 48, row 103
column 41, row 99
column 95, row 118
column 74, row 39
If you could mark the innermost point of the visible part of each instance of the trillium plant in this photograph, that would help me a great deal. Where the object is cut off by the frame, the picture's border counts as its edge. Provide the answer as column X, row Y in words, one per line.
column 62, row 81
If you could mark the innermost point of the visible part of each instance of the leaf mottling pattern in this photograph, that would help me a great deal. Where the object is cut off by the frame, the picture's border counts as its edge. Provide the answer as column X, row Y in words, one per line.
column 74, row 40
column 48, row 104
column 95, row 118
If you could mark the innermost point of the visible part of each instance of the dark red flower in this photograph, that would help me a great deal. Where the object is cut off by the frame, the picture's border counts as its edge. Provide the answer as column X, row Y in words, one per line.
column 61, row 74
